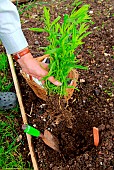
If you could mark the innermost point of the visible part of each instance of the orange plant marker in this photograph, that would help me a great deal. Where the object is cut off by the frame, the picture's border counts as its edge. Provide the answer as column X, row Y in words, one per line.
column 96, row 136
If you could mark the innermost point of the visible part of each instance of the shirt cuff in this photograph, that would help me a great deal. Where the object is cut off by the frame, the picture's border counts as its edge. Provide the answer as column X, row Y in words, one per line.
column 14, row 42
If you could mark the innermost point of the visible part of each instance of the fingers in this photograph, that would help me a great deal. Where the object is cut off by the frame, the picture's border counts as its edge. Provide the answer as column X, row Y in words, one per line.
column 51, row 79
column 55, row 82
column 38, row 70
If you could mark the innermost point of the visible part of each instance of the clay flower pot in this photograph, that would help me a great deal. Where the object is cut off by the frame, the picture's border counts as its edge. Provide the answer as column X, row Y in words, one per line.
column 41, row 92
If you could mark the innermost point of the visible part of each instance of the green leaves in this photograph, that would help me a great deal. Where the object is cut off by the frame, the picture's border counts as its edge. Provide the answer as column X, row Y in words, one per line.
column 55, row 21
column 82, row 12
column 47, row 17
column 83, row 28
column 37, row 29
column 81, row 67
column 63, row 41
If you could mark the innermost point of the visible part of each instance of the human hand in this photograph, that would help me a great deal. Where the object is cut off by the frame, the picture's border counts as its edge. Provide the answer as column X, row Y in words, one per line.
column 36, row 69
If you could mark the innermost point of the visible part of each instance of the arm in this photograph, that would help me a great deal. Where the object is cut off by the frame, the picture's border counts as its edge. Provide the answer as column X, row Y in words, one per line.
column 14, row 41
column 10, row 28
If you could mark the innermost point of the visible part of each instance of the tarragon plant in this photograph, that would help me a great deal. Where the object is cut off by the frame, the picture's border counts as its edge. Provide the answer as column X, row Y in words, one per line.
column 63, row 41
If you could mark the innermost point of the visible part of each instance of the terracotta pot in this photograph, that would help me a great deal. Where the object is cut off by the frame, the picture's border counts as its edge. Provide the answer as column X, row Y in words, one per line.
column 41, row 92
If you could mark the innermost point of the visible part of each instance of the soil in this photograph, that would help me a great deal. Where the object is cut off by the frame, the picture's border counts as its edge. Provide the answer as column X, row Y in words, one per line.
column 91, row 106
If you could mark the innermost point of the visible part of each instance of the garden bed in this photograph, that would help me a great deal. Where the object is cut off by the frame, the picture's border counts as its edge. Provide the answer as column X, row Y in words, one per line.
column 92, row 105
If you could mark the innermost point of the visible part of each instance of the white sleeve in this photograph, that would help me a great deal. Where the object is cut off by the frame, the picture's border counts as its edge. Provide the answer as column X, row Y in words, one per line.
column 11, row 33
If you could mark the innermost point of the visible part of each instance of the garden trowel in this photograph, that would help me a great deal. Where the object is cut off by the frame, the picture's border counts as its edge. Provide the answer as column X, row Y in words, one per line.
column 47, row 137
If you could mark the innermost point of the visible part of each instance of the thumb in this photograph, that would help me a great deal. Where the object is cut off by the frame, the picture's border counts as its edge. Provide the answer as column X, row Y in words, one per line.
column 55, row 82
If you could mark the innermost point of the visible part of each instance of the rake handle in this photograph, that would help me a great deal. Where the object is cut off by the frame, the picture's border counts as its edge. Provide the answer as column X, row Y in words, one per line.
column 19, row 96
column 17, row 88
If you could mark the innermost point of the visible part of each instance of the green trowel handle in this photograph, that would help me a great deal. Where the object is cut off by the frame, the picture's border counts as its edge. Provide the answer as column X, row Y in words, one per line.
column 31, row 130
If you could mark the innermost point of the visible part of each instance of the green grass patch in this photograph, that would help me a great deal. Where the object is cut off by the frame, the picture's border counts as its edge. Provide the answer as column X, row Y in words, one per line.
column 9, row 156
column 5, row 83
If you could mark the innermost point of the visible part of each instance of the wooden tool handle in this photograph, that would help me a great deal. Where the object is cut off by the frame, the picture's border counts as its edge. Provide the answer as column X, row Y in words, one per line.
column 19, row 96
column 17, row 88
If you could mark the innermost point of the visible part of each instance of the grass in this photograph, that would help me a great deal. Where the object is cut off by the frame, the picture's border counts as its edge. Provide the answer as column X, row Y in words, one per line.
column 9, row 155
column 5, row 83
